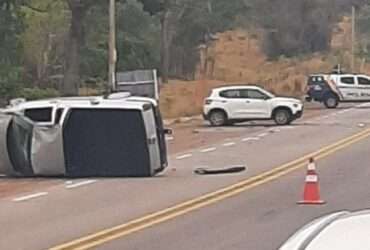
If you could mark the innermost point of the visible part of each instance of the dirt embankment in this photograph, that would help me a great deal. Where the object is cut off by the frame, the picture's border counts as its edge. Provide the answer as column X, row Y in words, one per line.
column 237, row 57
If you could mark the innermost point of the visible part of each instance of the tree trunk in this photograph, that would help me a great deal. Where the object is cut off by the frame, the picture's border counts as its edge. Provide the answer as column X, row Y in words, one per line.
column 72, row 76
column 165, row 46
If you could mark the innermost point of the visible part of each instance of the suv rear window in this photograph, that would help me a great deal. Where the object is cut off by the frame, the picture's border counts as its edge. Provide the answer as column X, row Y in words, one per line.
column 233, row 93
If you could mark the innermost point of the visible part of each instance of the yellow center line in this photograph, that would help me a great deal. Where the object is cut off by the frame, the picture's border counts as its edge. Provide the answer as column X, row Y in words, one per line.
column 139, row 224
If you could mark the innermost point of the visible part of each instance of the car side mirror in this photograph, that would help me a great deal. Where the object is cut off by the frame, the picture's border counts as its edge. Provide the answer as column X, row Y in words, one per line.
column 168, row 131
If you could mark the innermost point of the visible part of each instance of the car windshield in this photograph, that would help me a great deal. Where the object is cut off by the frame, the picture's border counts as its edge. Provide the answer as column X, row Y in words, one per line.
column 183, row 124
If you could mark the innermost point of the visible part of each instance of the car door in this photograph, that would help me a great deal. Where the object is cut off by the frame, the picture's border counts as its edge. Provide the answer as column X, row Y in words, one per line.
column 347, row 87
column 233, row 103
column 363, row 86
column 255, row 103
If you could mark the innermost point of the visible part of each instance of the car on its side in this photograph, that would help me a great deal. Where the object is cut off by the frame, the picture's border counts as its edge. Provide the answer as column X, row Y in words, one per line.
column 114, row 129
column 340, row 231
column 231, row 104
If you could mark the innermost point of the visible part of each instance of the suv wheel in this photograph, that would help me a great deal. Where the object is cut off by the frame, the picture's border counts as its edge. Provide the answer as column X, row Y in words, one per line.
column 282, row 117
column 331, row 101
column 217, row 118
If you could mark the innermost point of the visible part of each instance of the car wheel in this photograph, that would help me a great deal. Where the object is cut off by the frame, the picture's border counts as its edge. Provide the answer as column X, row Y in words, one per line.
column 282, row 117
column 331, row 101
column 217, row 118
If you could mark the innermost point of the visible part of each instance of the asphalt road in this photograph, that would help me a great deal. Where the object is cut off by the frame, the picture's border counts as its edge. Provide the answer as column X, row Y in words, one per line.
column 259, row 215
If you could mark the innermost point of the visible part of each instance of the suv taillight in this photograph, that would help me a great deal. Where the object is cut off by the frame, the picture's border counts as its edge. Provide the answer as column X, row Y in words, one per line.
column 207, row 101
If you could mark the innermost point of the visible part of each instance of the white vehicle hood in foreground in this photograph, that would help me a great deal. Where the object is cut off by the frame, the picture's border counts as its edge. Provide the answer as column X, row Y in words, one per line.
column 339, row 231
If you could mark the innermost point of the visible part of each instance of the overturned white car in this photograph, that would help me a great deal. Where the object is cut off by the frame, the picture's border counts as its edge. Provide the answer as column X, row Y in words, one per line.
column 83, row 136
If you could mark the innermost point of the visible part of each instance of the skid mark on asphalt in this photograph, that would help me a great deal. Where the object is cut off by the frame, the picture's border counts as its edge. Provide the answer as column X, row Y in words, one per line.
column 274, row 130
column 184, row 156
column 79, row 184
column 29, row 197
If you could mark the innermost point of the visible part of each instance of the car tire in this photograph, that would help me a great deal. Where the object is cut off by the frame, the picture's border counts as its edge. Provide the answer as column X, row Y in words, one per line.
column 218, row 118
column 282, row 117
column 331, row 101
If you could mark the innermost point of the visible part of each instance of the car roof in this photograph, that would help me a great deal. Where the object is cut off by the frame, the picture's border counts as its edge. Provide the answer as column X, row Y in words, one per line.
column 231, row 87
column 341, row 231
column 85, row 102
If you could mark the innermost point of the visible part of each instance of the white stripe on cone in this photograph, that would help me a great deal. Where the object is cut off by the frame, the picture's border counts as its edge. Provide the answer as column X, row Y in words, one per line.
column 311, row 178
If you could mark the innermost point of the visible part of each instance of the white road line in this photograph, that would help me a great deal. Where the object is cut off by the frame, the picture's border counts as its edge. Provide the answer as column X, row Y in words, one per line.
column 262, row 135
column 183, row 156
column 2, row 175
column 29, row 197
column 79, row 184
column 206, row 150
column 326, row 116
column 229, row 144
column 250, row 139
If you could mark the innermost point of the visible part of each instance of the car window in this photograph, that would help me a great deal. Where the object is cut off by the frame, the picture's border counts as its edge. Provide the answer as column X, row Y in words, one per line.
column 256, row 94
column 363, row 81
column 234, row 93
column 39, row 114
column 347, row 80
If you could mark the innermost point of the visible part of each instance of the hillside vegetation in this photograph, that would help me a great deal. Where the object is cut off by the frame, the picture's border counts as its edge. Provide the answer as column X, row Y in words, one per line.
column 238, row 57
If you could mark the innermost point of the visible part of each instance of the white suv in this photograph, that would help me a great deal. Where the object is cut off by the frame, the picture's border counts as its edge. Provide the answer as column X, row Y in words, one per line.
column 227, row 105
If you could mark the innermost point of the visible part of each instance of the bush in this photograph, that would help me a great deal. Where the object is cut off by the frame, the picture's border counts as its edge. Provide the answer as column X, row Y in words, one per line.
column 37, row 93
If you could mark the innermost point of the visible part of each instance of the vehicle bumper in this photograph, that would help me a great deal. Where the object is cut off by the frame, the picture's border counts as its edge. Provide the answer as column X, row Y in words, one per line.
column 298, row 115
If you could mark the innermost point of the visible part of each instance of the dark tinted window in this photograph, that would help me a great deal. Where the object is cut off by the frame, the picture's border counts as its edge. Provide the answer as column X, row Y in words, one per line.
column 347, row 80
column 39, row 114
column 234, row 93
column 363, row 81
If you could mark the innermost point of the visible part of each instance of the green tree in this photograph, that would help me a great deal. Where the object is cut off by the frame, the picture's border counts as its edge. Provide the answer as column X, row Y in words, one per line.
column 43, row 40
column 11, row 26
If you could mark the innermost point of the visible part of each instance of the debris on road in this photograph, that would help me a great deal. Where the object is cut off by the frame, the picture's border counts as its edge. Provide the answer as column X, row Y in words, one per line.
column 226, row 170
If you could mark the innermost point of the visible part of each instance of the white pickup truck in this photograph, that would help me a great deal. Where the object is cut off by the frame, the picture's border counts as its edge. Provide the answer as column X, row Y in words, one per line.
column 331, row 89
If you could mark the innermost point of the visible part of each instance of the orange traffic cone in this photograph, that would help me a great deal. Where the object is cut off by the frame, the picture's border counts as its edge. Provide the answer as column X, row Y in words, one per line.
column 311, row 195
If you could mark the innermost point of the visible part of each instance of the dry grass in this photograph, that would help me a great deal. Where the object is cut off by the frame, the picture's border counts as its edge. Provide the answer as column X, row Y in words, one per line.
column 236, row 57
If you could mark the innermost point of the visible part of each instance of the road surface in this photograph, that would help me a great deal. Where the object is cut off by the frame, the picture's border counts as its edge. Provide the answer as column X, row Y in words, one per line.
column 255, row 209
column 188, row 135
